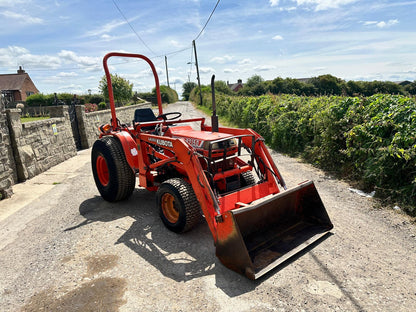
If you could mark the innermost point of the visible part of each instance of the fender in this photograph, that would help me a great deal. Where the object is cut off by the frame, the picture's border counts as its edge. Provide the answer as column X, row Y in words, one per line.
column 130, row 149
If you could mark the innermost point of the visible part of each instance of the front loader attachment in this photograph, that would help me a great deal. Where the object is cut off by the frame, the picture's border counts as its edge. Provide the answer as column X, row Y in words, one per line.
column 254, row 239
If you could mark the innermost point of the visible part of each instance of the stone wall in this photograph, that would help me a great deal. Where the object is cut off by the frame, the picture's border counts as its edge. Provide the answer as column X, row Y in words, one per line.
column 31, row 148
column 89, row 123
column 8, row 175
column 40, row 145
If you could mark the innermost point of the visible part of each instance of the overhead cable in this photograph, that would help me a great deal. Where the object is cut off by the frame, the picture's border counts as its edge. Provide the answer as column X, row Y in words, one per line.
column 137, row 35
column 207, row 21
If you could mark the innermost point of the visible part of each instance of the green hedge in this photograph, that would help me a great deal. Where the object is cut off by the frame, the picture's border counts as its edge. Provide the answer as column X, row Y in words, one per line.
column 369, row 140
column 168, row 95
column 41, row 99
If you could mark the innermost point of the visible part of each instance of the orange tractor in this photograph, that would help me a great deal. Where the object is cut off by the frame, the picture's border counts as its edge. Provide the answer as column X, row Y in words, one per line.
column 223, row 175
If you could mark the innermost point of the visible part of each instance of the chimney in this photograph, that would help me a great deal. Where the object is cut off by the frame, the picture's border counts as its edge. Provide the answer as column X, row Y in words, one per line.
column 240, row 81
column 20, row 70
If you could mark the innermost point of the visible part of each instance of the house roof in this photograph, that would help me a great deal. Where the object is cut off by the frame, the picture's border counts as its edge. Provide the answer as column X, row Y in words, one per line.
column 234, row 86
column 12, row 81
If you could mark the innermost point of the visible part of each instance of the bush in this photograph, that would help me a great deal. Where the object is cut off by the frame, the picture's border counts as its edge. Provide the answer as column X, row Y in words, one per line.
column 168, row 94
column 36, row 100
column 102, row 106
column 95, row 99
column 89, row 107
column 40, row 99
column 148, row 96
column 370, row 140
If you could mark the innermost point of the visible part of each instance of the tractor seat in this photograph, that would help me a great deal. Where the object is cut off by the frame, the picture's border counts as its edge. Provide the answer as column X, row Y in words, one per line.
column 144, row 115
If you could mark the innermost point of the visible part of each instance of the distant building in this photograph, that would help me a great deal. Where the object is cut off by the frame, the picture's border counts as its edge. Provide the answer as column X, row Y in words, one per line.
column 17, row 87
column 235, row 86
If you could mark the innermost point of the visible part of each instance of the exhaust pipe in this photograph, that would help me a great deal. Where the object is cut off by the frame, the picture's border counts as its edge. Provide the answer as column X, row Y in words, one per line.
column 214, row 117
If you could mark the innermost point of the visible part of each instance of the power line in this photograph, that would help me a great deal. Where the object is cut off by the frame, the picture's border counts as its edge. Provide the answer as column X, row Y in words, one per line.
column 137, row 35
column 206, row 21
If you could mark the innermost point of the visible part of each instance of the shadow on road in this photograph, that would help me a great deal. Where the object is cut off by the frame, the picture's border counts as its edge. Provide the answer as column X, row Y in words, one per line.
column 181, row 257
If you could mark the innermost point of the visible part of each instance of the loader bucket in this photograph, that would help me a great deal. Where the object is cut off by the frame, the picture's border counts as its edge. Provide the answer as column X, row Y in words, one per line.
column 255, row 239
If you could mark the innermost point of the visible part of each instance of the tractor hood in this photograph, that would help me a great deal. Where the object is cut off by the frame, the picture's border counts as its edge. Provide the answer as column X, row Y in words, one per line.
column 196, row 138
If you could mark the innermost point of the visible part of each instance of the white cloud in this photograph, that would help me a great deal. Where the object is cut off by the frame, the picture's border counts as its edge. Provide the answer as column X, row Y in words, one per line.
column 381, row 24
column 106, row 37
column 67, row 74
column 16, row 50
column 106, row 28
column 176, row 80
column 80, row 60
column 9, row 3
column 389, row 23
column 229, row 70
column 277, row 37
column 73, row 88
column 245, row 61
column 222, row 59
column 288, row 9
column 147, row 73
column 321, row 5
column 175, row 43
column 13, row 55
column 206, row 70
column 23, row 19
column 274, row 2
column 264, row 68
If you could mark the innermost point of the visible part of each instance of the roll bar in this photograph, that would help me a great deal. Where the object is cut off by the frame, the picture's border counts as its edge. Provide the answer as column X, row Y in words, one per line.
column 110, row 86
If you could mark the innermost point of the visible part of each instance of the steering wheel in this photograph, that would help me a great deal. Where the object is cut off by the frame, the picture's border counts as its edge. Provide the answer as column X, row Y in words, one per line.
column 165, row 115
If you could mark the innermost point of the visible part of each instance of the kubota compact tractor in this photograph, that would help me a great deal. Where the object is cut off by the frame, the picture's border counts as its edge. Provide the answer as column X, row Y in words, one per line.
column 223, row 175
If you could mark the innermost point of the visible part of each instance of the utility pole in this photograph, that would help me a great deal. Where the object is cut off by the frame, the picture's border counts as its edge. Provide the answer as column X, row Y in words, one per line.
column 167, row 73
column 197, row 71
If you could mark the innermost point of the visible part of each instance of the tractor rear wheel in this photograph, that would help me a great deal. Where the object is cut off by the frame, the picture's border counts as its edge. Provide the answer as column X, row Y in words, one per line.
column 178, row 206
column 113, row 176
column 247, row 179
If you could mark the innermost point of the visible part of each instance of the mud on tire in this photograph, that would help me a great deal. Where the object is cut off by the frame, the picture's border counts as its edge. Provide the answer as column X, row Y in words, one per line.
column 178, row 206
column 113, row 176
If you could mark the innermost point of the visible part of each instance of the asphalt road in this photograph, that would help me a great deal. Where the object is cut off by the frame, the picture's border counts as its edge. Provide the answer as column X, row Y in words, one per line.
column 63, row 248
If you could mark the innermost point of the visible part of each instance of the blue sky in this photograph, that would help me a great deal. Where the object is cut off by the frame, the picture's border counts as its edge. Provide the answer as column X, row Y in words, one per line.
column 61, row 43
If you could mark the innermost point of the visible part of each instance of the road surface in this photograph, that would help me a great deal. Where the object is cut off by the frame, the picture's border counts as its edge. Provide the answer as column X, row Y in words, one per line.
column 63, row 248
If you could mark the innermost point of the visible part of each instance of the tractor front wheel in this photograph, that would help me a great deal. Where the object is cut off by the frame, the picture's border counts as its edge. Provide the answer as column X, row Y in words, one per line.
column 178, row 206
column 113, row 176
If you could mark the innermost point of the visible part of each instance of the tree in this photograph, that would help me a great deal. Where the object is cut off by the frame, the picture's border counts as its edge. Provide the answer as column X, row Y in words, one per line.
column 354, row 88
column 255, row 85
column 167, row 94
column 411, row 88
column 254, row 81
column 187, row 88
column 222, row 87
column 122, row 89
column 327, row 84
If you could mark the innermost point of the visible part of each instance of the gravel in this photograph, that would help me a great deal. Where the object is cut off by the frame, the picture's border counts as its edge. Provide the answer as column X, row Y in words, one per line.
column 68, row 250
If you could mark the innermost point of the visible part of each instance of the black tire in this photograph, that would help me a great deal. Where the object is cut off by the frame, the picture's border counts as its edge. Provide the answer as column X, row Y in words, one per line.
column 113, row 176
column 178, row 206
column 247, row 179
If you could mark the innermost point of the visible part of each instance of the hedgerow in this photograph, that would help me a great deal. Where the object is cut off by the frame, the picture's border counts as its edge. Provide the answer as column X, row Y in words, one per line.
column 370, row 140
